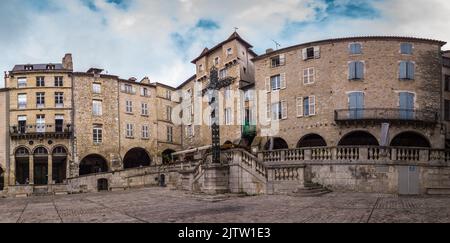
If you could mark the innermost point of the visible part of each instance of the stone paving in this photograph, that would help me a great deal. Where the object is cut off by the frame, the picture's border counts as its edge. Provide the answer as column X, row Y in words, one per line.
column 161, row 205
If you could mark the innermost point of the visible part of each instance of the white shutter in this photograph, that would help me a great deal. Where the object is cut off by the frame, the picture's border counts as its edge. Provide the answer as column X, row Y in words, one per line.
column 317, row 52
column 283, row 81
column 284, row 109
column 299, row 106
column 268, row 86
column 268, row 115
column 312, row 105
column 305, row 54
column 282, row 59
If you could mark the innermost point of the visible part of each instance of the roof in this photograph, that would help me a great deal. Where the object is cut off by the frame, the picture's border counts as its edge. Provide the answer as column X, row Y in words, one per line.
column 187, row 81
column 402, row 38
column 38, row 67
column 234, row 36
column 163, row 85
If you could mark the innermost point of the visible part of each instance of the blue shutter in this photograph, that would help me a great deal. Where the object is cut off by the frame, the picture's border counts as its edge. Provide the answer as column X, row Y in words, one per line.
column 351, row 71
column 360, row 70
column 356, row 105
column 410, row 70
column 403, row 74
column 406, row 105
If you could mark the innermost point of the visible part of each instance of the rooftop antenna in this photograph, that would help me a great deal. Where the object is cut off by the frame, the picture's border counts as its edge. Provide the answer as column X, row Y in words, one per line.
column 278, row 45
column 235, row 29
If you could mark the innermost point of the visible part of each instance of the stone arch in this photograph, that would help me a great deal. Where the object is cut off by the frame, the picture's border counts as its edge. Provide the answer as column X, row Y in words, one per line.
column 22, row 164
column 410, row 139
column 40, row 160
column 311, row 140
column 59, row 159
column 167, row 156
column 92, row 164
column 2, row 178
column 359, row 138
column 135, row 158
column 278, row 143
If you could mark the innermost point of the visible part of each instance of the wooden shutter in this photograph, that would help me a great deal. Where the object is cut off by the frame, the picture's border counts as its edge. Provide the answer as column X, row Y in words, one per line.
column 305, row 76
column 268, row 85
column 299, row 106
column 282, row 59
column 410, row 70
column 305, row 53
column 283, row 81
column 284, row 109
column 268, row 112
column 312, row 105
column 317, row 52
column 403, row 68
column 351, row 71
column 359, row 70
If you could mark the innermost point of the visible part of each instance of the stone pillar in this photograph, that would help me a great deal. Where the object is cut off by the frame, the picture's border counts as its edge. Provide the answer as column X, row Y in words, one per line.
column 31, row 175
column 11, row 171
column 50, row 170
column 308, row 154
column 363, row 153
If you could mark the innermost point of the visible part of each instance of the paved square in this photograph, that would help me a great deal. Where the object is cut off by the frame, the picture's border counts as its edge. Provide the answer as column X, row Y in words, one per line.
column 161, row 205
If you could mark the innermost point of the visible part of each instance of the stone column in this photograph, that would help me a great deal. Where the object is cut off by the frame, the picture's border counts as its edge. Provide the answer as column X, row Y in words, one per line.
column 31, row 175
column 11, row 171
column 50, row 170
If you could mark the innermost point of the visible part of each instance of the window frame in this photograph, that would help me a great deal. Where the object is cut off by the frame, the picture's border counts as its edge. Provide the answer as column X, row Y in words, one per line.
column 99, row 105
column 97, row 134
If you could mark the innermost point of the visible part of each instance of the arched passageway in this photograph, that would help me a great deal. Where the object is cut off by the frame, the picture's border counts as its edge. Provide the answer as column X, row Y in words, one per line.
column 167, row 156
column 410, row 139
column 276, row 143
column 311, row 140
column 40, row 160
column 22, row 160
column 135, row 158
column 359, row 138
column 59, row 159
column 93, row 164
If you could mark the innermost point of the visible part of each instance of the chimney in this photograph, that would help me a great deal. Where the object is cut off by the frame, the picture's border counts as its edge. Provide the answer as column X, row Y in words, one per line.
column 269, row 51
column 67, row 62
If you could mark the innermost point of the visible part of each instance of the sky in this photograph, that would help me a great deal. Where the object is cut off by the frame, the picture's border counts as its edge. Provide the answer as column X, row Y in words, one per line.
column 159, row 39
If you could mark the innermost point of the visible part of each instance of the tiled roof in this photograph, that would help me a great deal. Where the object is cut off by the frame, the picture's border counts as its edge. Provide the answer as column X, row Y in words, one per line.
column 37, row 67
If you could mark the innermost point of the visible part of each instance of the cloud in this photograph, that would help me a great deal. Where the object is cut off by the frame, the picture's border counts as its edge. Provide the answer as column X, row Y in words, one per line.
column 158, row 39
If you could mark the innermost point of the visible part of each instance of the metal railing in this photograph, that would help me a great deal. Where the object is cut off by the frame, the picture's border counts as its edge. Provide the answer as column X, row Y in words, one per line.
column 41, row 129
column 386, row 114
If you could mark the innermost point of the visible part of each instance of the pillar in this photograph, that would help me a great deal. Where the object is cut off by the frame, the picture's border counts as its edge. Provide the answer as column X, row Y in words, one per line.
column 50, row 170
column 11, row 171
column 31, row 175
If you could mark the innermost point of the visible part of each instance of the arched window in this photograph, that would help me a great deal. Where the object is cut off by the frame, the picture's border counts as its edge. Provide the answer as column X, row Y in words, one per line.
column 311, row 140
column 410, row 139
column 359, row 138
column 93, row 164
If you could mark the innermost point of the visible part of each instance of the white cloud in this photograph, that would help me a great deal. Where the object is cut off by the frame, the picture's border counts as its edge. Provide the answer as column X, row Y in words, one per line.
column 138, row 41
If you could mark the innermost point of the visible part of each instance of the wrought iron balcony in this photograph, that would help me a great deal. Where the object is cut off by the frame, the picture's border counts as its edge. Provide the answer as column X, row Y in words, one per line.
column 41, row 131
column 386, row 115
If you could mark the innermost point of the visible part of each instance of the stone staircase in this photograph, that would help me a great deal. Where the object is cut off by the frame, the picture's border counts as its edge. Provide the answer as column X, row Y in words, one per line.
column 310, row 190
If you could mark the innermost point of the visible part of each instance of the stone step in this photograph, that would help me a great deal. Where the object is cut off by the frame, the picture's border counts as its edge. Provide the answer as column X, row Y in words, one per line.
column 438, row 191
column 306, row 191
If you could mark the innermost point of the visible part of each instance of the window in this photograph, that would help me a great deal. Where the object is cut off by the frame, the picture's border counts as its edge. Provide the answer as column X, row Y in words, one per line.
column 407, row 70
column 40, row 123
column 356, row 70
column 228, row 116
column 145, row 132
column 279, row 110
column 59, row 123
column 97, row 88
column 97, row 108
column 22, row 101
column 447, row 83
column 248, row 95
column 59, row 100
column 406, row 105
column 22, row 124
column 229, row 52
column 168, row 95
column 189, row 131
column 277, row 61
column 97, row 134
column 59, row 81
column 406, row 48
column 129, row 130
column 355, row 48
column 144, row 92
column 216, row 61
column 276, row 82
column 200, row 67
column 311, row 53
column 40, row 100
column 169, row 134
column 28, row 67
column 168, row 113
column 40, row 82
column 187, row 114
column 447, row 110
column 50, row 67
column 144, row 109
column 21, row 82
column 129, row 106
column 356, row 104
column 128, row 88
column 306, row 106
column 227, row 92
column 223, row 73
column 308, row 76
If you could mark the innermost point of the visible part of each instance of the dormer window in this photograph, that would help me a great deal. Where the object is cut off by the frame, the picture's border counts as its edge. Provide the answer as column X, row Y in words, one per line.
column 50, row 67
column 29, row 67
column 229, row 51
column 216, row 61
column 277, row 61
column 200, row 68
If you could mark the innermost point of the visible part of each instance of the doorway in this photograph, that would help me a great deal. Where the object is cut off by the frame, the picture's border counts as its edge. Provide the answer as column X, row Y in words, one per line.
column 408, row 180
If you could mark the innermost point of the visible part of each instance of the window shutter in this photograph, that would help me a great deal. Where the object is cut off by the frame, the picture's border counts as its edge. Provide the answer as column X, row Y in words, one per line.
column 305, row 76
column 268, row 111
column 299, row 106
column 317, row 52
column 351, row 71
column 284, row 109
column 282, row 59
column 360, row 70
column 312, row 105
column 312, row 73
column 410, row 70
column 283, row 81
column 305, row 54
column 403, row 73
column 268, row 86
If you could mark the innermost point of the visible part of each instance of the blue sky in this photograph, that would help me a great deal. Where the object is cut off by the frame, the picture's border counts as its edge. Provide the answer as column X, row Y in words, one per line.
column 158, row 39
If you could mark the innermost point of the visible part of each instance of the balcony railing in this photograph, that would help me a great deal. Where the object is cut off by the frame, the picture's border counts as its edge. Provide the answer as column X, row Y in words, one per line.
column 41, row 130
column 386, row 115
